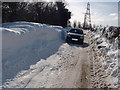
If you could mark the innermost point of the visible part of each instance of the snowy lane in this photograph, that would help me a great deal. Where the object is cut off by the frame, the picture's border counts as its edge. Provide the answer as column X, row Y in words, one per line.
column 64, row 69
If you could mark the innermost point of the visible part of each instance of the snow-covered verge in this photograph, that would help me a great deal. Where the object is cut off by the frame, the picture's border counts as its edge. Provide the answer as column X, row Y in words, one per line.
column 26, row 43
column 105, row 63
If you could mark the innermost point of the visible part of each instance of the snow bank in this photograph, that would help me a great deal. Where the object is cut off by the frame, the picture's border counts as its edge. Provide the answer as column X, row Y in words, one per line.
column 26, row 43
column 60, row 70
column 105, row 40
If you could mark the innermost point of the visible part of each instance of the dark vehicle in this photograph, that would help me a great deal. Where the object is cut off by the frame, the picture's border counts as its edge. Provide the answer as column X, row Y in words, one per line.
column 75, row 35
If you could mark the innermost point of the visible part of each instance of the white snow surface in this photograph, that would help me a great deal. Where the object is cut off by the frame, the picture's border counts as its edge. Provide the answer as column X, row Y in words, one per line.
column 108, row 54
column 25, row 44
column 46, row 73
column 32, row 54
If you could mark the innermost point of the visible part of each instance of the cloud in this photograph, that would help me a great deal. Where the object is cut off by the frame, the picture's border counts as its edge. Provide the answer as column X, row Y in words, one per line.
column 113, row 14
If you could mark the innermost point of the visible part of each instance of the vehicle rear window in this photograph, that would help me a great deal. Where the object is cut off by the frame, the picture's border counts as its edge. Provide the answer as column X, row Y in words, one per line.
column 76, row 31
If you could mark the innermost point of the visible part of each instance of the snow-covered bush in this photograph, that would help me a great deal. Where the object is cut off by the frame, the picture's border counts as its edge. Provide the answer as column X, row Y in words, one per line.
column 111, row 33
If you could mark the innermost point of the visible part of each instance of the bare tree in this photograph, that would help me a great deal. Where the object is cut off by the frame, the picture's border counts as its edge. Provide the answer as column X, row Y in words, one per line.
column 75, row 24
column 79, row 25
column 69, row 24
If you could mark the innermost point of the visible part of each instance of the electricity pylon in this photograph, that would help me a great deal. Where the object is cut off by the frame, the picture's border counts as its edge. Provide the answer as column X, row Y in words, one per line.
column 87, row 18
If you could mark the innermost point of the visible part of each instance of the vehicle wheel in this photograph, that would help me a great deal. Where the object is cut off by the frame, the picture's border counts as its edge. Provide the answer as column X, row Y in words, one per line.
column 67, row 40
column 81, row 42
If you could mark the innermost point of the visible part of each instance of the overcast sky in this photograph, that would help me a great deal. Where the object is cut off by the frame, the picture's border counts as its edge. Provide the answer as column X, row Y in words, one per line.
column 102, row 12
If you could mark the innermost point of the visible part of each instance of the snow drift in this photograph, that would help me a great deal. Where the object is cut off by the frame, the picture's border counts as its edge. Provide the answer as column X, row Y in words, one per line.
column 106, row 41
column 25, row 44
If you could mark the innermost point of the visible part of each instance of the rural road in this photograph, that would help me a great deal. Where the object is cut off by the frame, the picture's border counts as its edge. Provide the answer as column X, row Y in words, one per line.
column 79, row 75
column 71, row 71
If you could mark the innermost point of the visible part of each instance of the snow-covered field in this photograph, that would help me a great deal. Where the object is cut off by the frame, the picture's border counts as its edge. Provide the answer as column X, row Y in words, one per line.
column 25, row 44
